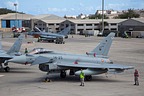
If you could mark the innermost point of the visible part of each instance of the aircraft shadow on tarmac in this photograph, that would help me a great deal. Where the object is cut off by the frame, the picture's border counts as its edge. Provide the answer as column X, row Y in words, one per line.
column 56, row 78
column 70, row 79
column 19, row 70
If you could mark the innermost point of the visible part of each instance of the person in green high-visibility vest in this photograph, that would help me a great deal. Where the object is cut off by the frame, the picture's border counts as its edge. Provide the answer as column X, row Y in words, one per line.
column 82, row 76
column 26, row 50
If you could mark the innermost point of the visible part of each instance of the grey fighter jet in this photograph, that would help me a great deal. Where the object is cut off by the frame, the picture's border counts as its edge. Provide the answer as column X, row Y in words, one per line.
column 13, row 51
column 51, row 37
column 93, row 63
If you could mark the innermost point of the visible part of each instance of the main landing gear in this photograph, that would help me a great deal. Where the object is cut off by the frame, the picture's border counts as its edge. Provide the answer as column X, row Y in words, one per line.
column 88, row 77
column 6, row 68
column 63, row 74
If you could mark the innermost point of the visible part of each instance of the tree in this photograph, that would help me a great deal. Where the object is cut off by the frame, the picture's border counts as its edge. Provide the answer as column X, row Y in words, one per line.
column 129, row 14
column 5, row 11
column 97, row 16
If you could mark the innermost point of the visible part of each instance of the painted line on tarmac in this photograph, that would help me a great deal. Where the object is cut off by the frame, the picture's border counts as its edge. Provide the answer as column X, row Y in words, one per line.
column 1, row 75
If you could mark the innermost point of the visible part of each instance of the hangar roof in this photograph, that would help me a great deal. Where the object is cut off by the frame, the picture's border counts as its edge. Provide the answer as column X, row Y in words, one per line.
column 53, row 21
column 86, row 21
column 139, row 19
column 48, row 17
column 13, row 16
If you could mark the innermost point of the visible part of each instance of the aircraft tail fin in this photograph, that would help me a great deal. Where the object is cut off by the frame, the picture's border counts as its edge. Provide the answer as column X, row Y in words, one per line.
column 16, row 46
column 65, row 31
column 103, row 47
column 37, row 29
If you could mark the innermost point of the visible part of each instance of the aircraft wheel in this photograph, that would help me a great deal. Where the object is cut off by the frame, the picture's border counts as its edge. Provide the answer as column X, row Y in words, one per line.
column 72, row 72
column 7, row 69
column 63, row 74
column 88, row 78
column 38, row 40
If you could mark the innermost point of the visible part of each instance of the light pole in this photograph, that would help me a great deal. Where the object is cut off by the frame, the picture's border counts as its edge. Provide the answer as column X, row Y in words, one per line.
column 102, row 16
column 15, row 4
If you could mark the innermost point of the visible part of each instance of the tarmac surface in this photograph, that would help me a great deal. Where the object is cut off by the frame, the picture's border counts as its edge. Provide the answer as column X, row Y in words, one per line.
column 26, row 80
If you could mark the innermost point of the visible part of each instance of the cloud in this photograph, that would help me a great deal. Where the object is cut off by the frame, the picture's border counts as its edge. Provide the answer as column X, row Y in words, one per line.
column 72, row 9
column 81, row 4
column 90, row 8
column 116, row 6
column 57, row 9
column 10, row 4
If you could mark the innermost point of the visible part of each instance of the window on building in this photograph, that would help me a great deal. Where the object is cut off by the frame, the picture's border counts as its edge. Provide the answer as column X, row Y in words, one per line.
column 80, row 25
column 106, row 29
column 113, row 29
column 67, row 25
column 88, row 24
column 40, row 24
column 27, row 23
column 96, row 29
column 79, row 29
column 7, row 23
column 88, row 29
column 51, row 24
column 57, row 29
column 96, row 24
column 113, row 24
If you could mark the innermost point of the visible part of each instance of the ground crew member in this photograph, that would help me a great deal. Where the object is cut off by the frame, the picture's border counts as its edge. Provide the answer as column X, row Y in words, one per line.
column 82, row 78
column 26, row 50
column 136, row 75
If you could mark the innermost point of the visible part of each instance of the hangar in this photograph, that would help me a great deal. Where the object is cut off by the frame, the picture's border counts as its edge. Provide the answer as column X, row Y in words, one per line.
column 7, row 21
column 47, row 22
column 134, row 27
column 50, row 22
column 79, row 25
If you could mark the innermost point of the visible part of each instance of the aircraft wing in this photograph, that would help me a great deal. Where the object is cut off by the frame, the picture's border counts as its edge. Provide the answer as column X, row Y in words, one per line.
column 48, row 37
column 41, row 60
column 95, row 66
column 5, row 56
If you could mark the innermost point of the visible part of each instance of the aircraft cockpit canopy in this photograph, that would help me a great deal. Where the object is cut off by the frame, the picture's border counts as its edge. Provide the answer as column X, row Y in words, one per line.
column 39, row 51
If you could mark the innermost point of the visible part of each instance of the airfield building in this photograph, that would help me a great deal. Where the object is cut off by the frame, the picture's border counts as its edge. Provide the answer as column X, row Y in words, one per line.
column 134, row 27
column 49, row 22
column 7, row 21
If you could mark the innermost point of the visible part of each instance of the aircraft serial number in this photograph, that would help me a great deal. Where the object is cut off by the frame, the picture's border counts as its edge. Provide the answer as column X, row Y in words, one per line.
column 58, row 57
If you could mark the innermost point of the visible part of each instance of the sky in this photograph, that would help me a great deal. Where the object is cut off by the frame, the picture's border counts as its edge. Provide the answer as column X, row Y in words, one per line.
column 69, row 7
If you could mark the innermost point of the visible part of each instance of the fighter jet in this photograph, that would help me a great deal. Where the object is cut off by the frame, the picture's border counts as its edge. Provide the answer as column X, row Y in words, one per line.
column 93, row 63
column 49, row 36
column 13, row 51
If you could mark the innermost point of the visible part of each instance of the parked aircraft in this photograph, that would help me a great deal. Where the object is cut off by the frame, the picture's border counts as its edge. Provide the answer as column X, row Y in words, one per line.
column 13, row 51
column 51, row 36
column 93, row 63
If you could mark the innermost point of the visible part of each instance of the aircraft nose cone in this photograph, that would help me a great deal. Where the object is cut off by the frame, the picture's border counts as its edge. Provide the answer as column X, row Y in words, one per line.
column 18, row 59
